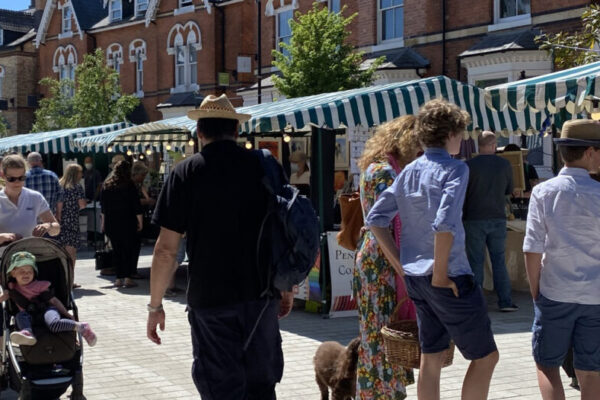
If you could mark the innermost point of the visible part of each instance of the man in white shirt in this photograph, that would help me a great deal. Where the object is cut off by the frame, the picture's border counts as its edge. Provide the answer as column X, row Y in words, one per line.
column 562, row 257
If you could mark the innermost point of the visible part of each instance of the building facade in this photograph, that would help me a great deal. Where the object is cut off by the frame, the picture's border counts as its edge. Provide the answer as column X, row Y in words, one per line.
column 18, row 67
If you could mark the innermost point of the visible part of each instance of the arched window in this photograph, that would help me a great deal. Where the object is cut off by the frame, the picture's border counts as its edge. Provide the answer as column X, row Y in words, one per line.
column 65, row 62
column 183, row 42
column 114, row 56
column 137, row 55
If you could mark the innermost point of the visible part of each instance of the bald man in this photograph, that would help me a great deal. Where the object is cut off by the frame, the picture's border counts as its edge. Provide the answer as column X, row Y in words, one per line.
column 484, row 216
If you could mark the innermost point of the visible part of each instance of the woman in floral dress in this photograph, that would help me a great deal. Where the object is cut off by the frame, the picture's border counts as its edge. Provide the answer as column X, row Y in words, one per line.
column 68, row 214
column 392, row 147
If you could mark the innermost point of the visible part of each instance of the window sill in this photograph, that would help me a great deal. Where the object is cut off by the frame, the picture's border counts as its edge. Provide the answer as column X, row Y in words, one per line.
column 186, row 88
column 388, row 44
column 65, row 35
column 184, row 10
column 509, row 23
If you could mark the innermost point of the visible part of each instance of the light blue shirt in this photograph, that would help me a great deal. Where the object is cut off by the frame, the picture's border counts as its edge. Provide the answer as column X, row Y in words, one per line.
column 428, row 195
column 563, row 223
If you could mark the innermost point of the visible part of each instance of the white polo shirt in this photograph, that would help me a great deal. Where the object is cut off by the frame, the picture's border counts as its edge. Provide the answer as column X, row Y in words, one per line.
column 21, row 218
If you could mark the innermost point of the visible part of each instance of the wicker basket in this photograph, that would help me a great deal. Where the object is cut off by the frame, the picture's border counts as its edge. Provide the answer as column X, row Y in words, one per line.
column 401, row 344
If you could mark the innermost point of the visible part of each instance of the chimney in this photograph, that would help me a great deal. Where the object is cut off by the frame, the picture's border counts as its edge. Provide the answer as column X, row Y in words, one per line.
column 37, row 4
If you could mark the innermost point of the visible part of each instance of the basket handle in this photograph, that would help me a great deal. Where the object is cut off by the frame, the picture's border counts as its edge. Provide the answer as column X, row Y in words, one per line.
column 394, row 316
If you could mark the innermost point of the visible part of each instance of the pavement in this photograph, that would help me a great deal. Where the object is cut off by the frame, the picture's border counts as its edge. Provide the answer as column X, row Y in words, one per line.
column 126, row 365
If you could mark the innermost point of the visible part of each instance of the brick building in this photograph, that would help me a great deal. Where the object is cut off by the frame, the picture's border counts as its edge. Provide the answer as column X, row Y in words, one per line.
column 18, row 67
column 170, row 53
column 482, row 42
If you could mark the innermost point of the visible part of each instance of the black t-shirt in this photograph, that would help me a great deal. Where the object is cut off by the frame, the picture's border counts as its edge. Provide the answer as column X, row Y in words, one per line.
column 219, row 201
column 490, row 180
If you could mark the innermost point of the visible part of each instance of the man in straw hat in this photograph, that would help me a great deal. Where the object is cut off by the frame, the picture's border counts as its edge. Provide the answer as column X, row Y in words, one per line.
column 562, row 259
column 217, row 199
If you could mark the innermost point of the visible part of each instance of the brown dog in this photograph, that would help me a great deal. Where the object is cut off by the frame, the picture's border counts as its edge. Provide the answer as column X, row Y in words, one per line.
column 335, row 368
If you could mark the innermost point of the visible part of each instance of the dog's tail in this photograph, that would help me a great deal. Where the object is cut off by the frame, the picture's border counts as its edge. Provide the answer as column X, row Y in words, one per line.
column 348, row 367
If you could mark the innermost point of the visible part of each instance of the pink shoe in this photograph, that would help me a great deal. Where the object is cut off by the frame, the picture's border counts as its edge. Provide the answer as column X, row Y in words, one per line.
column 23, row 338
column 87, row 333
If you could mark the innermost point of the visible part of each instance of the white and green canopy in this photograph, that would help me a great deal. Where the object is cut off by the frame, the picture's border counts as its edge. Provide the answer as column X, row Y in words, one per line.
column 175, row 132
column 371, row 106
column 571, row 89
column 59, row 141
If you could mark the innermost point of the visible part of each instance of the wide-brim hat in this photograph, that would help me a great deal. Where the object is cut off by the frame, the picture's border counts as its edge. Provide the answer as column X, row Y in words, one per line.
column 580, row 132
column 20, row 259
column 116, row 158
column 217, row 107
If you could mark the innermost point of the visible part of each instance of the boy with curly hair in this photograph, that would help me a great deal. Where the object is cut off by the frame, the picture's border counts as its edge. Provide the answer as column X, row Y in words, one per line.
column 428, row 195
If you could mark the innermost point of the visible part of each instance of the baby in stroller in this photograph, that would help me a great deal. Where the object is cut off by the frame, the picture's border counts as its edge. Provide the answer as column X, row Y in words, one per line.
column 33, row 296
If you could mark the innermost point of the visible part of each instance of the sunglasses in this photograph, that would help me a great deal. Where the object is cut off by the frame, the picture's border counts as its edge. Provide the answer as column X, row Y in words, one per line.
column 16, row 178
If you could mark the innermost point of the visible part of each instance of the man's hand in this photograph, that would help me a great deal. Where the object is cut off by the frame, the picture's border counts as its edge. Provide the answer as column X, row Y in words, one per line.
column 155, row 318
column 285, row 305
column 6, row 238
column 444, row 282
column 40, row 230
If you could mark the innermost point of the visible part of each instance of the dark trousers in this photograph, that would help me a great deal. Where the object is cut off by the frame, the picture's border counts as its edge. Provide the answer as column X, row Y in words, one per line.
column 125, row 252
column 222, row 369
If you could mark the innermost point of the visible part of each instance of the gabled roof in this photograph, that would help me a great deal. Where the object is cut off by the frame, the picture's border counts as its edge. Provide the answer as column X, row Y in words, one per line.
column 16, row 21
column 85, row 12
column 504, row 41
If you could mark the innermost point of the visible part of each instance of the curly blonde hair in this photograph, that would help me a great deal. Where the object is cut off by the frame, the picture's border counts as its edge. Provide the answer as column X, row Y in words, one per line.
column 437, row 120
column 396, row 138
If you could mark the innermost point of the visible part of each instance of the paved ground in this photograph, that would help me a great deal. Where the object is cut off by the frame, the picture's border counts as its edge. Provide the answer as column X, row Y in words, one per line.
column 125, row 365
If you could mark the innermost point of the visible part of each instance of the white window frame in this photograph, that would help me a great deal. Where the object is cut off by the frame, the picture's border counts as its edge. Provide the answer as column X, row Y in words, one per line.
column 397, row 41
column 1, row 80
column 508, row 22
column 186, row 83
column 67, row 25
column 138, row 11
column 139, row 73
column 184, row 7
column 1, row 37
column 278, row 13
column 112, row 10
column 176, row 42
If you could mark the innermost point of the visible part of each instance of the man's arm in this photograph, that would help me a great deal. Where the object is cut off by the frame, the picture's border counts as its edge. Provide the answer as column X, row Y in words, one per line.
column 163, row 267
column 533, row 265
column 388, row 246
column 442, row 245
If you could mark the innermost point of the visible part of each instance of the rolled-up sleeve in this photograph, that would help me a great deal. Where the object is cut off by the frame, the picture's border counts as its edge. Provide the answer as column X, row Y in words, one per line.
column 384, row 209
column 449, row 214
column 535, row 231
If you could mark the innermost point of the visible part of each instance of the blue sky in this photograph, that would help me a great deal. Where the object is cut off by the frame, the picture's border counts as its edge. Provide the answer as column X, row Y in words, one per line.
column 15, row 4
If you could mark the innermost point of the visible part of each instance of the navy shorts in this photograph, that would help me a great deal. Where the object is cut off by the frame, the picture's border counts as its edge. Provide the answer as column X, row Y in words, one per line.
column 441, row 316
column 559, row 326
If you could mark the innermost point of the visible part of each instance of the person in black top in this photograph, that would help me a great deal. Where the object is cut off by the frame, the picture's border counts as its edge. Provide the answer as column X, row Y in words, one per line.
column 121, row 221
column 217, row 199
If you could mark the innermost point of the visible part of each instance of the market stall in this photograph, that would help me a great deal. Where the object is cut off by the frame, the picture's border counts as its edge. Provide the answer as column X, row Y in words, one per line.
column 333, row 128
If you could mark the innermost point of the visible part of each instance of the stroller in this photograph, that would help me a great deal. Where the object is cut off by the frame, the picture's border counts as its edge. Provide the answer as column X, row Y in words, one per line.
column 47, row 369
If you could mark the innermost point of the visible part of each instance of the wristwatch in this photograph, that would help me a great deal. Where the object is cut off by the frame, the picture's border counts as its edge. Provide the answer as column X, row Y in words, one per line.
column 154, row 309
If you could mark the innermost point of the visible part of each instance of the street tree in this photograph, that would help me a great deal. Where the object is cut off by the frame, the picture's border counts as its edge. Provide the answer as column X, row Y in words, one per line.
column 94, row 99
column 578, row 48
column 3, row 126
column 318, row 58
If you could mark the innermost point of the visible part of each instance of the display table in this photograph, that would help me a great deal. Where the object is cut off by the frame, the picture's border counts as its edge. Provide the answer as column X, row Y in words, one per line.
column 515, row 261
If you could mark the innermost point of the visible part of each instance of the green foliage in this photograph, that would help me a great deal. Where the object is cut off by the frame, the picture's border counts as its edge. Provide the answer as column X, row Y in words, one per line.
column 3, row 126
column 587, row 38
column 319, row 60
column 97, row 98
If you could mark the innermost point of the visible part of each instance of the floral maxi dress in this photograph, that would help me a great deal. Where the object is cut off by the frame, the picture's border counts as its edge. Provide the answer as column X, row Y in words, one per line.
column 375, row 291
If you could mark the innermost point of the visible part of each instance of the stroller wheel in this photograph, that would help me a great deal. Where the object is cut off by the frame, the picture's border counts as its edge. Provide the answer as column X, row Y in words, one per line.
column 77, row 385
column 25, row 392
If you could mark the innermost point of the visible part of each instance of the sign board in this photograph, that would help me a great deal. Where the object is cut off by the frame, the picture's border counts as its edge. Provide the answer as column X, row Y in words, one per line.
column 516, row 162
column 244, row 64
column 223, row 78
column 341, row 267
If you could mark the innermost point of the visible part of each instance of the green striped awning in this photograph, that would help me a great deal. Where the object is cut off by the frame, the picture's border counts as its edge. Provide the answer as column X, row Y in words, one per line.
column 175, row 132
column 375, row 105
column 570, row 89
column 59, row 141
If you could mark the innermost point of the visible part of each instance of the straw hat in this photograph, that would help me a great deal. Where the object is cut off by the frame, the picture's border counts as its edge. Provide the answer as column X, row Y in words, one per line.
column 298, row 156
column 580, row 132
column 217, row 107
column 116, row 158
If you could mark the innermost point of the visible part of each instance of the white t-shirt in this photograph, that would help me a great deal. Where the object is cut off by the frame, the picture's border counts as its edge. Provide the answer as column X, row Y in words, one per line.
column 21, row 218
column 303, row 179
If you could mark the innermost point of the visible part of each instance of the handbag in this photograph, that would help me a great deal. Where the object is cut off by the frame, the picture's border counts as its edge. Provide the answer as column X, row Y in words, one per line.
column 352, row 220
column 104, row 257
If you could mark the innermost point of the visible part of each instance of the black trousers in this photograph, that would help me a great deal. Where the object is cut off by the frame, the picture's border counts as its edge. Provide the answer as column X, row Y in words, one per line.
column 125, row 252
column 222, row 369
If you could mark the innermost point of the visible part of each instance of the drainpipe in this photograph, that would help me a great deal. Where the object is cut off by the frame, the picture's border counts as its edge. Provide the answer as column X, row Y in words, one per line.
column 259, row 51
column 222, row 42
column 443, row 37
